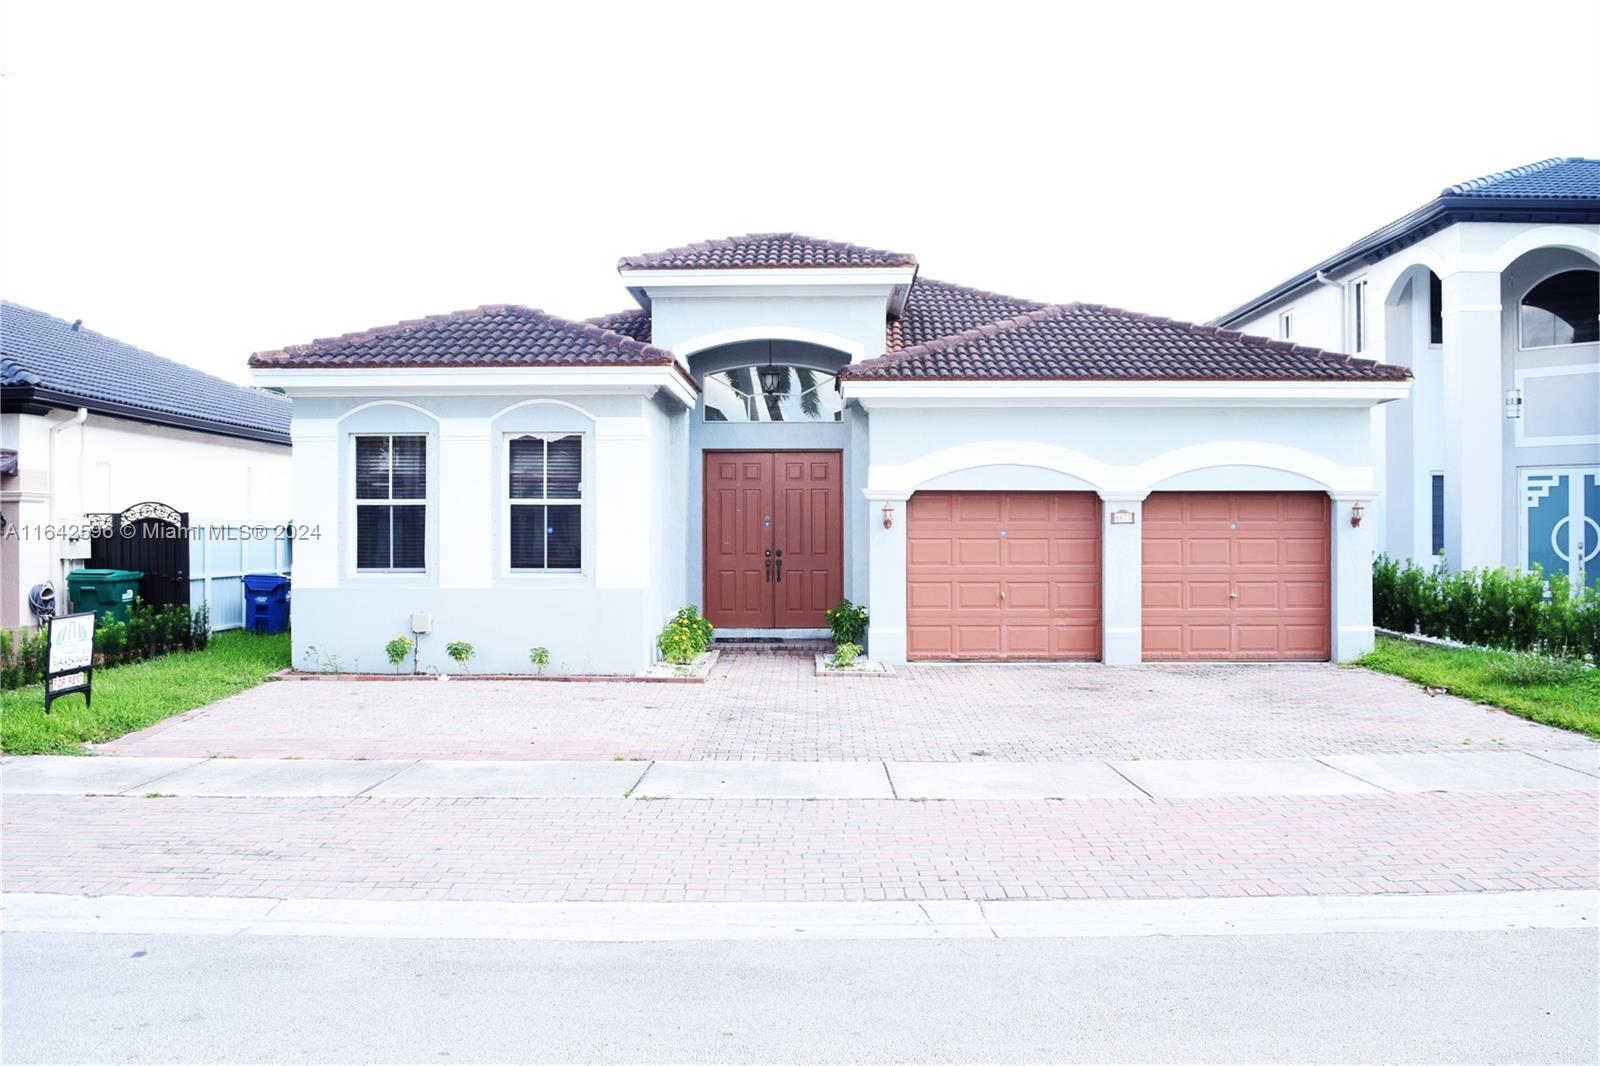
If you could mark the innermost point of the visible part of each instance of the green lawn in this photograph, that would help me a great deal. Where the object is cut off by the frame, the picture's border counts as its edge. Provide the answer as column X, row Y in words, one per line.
column 1571, row 705
column 131, row 697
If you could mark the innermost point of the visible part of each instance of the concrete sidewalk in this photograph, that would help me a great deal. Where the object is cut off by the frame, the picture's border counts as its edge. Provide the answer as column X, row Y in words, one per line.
column 1332, row 775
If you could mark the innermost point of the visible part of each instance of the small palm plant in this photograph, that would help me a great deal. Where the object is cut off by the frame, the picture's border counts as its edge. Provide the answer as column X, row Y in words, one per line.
column 461, row 651
column 540, row 658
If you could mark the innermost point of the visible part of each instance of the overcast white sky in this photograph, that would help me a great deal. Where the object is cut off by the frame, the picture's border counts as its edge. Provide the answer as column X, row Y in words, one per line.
column 211, row 179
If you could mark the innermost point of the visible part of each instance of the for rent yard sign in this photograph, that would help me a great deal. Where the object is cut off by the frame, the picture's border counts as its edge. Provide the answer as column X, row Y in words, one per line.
column 70, row 667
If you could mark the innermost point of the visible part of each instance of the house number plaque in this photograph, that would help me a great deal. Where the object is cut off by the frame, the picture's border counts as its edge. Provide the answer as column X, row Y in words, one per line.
column 1122, row 518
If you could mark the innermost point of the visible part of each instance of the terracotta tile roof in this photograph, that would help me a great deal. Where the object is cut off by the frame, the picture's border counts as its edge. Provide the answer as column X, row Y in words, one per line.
column 768, row 251
column 1089, row 342
column 937, row 309
column 634, row 322
column 494, row 335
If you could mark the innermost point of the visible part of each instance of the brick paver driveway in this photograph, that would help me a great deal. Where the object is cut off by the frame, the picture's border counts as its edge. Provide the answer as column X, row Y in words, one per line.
column 618, row 849
column 772, row 707
column 766, row 706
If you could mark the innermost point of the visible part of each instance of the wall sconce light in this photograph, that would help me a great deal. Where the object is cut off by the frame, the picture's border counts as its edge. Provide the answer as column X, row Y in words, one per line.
column 1356, row 512
column 888, row 516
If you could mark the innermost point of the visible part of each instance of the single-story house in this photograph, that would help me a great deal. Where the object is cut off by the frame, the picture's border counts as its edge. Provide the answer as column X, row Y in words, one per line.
column 783, row 421
column 91, row 427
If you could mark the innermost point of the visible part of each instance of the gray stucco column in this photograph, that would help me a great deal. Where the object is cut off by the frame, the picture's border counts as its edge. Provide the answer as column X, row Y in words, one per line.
column 1122, row 577
column 1474, row 406
column 886, row 578
column 1351, row 577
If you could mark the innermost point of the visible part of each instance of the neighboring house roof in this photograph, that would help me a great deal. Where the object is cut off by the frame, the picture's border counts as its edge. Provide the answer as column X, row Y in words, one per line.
column 1572, row 177
column 1551, row 190
column 494, row 335
column 1089, row 342
column 47, row 362
column 766, row 251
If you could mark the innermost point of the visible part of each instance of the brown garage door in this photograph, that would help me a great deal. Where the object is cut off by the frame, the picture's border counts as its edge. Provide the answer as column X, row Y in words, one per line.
column 1236, row 575
column 1003, row 575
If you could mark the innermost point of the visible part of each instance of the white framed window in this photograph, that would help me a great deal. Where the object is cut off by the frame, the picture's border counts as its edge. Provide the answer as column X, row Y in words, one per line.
column 1436, row 516
column 1286, row 325
column 1562, row 309
column 1435, row 309
column 544, row 502
column 391, row 500
column 1358, row 315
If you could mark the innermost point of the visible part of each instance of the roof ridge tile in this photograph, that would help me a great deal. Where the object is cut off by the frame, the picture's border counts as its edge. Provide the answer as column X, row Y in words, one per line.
column 488, row 335
column 795, row 251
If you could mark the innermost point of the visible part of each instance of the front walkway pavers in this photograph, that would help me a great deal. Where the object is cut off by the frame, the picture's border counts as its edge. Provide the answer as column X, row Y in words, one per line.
column 1490, row 771
column 560, row 780
column 762, row 849
column 1197, row 778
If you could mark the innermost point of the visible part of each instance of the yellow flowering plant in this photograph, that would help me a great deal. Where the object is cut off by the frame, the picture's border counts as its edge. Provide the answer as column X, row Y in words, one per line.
column 848, row 622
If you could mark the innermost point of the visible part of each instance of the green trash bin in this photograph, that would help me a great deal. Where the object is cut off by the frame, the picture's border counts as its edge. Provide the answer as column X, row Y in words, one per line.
column 108, row 593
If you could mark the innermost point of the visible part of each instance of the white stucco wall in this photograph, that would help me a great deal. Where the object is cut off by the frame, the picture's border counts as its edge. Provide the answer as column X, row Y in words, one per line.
column 691, row 323
column 602, row 619
column 1123, row 454
column 107, row 464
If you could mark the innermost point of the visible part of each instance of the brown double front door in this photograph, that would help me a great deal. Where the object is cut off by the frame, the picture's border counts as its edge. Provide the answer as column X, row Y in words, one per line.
column 774, row 539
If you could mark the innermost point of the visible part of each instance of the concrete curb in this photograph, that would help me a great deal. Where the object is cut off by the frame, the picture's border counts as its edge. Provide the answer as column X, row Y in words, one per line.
column 932, row 920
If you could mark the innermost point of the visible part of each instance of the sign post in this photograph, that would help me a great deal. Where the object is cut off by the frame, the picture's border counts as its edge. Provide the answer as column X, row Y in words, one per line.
column 70, row 667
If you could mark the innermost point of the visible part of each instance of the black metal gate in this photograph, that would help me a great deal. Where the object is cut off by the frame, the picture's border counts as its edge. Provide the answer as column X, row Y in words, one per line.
column 151, row 537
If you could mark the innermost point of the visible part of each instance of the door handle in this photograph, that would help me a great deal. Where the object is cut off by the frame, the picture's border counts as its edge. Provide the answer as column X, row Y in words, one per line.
column 768, row 554
column 780, row 564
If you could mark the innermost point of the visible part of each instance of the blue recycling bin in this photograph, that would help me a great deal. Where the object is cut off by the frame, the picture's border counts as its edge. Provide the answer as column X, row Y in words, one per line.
column 266, row 603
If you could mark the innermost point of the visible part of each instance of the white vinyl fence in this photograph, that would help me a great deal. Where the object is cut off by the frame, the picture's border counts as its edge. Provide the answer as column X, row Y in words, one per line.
column 220, row 555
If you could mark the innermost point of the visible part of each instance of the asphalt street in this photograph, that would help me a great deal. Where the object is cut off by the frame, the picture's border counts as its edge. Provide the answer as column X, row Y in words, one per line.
column 1524, row 996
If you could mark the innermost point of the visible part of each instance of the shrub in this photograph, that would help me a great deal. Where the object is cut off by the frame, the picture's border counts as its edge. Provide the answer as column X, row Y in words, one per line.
column 679, row 644
column 200, row 627
column 848, row 622
column 845, row 655
column 23, row 657
column 540, row 658
column 396, row 651
column 1533, row 670
column 111, row 642
column 461, row 651
column 685, row 637
column 700, row 627
column 1498, row 608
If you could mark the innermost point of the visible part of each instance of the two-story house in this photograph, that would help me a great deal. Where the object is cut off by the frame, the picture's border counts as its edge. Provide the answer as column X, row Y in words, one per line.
column 1490, row 293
